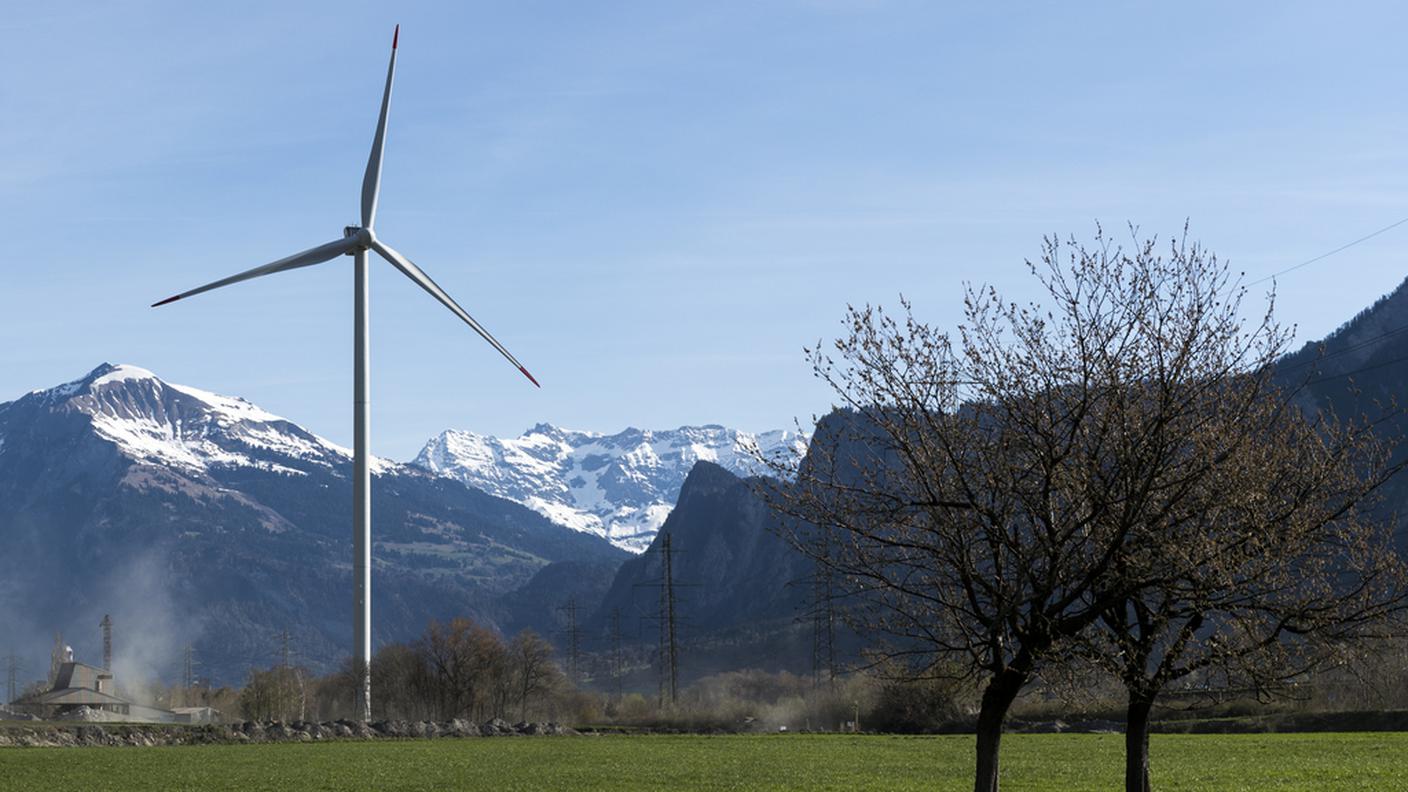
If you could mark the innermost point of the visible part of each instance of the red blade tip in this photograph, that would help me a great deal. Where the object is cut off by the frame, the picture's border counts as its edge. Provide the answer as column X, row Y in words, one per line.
column 167, row 300
column 395, row 37
column 529, row 376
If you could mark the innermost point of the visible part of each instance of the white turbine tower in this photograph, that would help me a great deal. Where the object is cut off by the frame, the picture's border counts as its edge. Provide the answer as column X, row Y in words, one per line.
column 356, row 242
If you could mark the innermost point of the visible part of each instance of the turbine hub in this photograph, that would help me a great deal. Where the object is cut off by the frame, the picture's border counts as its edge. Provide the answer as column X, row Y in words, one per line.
column 364, row 237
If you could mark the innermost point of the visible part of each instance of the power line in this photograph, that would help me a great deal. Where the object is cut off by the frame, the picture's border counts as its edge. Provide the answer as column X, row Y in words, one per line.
column 1361, row 370
column 1358, row 345
column 1339, row 249
column 1368, row 342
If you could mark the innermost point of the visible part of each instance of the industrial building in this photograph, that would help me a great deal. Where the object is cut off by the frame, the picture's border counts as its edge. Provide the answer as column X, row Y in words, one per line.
column 83, row 692
column 78, row 685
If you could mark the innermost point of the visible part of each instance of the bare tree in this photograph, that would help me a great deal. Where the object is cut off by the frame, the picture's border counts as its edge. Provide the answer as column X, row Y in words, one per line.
column 469, row 665
column 530, row 658
column 272, row 694
column 1272, row 566
column 406, row 684
column 988, row 494
column 457, row 669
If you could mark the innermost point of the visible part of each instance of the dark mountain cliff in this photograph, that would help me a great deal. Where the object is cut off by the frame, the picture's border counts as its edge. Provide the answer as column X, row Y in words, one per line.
column 741, row 589
column 1360, row 372
column 730, row 565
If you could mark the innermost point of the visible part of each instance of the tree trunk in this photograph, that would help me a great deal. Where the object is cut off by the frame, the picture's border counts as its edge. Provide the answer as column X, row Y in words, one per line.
column 1136, row 742
column 1001, row 690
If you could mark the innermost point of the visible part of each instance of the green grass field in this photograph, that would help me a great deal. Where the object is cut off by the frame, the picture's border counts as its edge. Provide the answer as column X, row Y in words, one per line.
column 1051, row 763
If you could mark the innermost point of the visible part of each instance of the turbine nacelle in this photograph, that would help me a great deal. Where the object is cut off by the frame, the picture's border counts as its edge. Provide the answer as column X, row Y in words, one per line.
column 363, row 237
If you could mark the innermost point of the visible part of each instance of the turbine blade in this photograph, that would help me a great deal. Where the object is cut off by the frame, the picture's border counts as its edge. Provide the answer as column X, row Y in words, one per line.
column 418, row 275
column 308, row 257
column 371, row 182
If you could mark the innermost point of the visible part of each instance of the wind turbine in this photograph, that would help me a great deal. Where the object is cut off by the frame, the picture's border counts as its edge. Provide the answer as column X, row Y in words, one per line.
column 355, row 242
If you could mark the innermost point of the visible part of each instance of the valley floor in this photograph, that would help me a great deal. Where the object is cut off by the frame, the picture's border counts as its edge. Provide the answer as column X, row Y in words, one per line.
column 1051, row 763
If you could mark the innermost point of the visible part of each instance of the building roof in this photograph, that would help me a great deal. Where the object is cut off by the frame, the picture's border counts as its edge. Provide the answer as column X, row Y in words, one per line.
column 77, row 685
column 76, row 697
column 79, row 675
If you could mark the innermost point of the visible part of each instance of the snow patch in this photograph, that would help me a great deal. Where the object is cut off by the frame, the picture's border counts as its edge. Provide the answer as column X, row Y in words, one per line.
column 122, row 373
column 163, row 423
column 620, row 487
column 235, row 409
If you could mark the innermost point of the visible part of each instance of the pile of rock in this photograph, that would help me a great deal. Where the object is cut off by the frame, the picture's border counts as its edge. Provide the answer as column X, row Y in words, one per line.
column 56, row 735
column 1059, row 726
column 462, row 728
column 85, row 736
column 301, row 731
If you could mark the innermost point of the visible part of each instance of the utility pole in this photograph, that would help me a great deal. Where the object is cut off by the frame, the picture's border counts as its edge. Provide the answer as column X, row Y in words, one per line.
column 662, row 655
column 823, row 653
column 824, row 621
column 668, row 592
column 106, row 624
column 574, row 639
column 667, row 619
column 616, row 651
column 287, row 675
column 12, row 671
column 56, row 658
column 283, row 674
column 188, row 674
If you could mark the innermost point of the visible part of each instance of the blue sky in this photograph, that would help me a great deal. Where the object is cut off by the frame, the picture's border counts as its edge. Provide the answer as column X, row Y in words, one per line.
column 654, row 205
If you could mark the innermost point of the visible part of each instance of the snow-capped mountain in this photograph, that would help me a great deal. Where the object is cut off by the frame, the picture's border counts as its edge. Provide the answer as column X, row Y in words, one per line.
column 619, row 486
column 197, row 518
column 177, row 426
